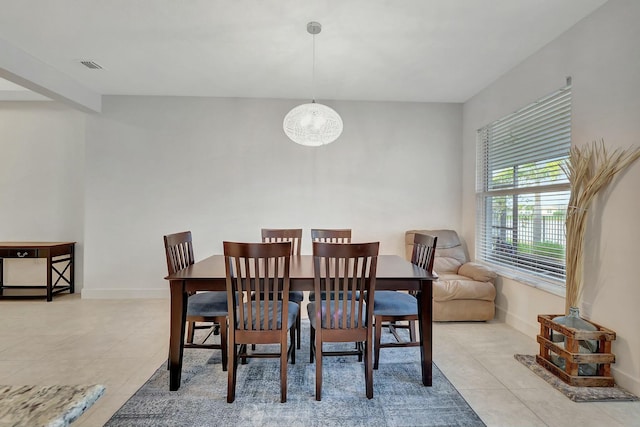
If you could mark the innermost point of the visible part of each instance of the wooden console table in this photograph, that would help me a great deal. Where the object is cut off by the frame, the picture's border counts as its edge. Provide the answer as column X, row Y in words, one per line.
column 55, row 253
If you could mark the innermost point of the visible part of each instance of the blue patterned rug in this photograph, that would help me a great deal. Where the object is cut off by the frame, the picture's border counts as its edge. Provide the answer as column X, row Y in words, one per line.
column 399, row 397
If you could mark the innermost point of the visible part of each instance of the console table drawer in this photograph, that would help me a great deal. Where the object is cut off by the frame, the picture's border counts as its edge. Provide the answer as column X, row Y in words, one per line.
column 19, row 253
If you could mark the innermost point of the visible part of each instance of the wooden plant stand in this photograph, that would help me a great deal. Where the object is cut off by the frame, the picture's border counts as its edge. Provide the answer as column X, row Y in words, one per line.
column 571, row 355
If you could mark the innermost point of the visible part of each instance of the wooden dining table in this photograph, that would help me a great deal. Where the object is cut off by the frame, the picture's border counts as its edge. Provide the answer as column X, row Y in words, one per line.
column 393, row 273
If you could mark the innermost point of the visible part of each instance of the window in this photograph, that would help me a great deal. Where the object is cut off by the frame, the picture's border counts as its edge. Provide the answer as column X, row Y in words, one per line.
column 522, row 191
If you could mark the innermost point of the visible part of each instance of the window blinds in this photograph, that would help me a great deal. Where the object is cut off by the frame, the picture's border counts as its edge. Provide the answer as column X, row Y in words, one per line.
column 521, row 190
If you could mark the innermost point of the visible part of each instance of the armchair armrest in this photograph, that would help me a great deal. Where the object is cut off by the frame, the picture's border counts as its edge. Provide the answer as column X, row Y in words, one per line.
column 477, row 272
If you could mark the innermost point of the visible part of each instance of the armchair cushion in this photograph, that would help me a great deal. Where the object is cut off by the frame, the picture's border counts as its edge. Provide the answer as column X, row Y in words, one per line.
column 478, row 272
column 455, row 287
column 446, row 265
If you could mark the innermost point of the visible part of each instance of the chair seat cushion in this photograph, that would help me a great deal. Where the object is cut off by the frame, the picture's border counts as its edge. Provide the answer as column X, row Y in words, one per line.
column 294, row 296
column 456, row 287
column 392, row 303
column 291, row 318
column 311, row 311
column 312, row 295
column 207, row 304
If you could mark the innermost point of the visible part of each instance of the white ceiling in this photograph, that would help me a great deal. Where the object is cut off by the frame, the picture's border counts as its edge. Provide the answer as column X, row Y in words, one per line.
column 390, row 50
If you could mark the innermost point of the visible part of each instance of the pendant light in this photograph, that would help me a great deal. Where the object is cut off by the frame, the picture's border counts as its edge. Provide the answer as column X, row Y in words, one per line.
column 313, row 124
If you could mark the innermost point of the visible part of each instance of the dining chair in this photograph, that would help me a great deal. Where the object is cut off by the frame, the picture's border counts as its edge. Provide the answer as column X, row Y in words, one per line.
column 390, row 307
column 349, row 268
column 329, row 235
column 293, row 235
column 202, row 307
column 261, row 269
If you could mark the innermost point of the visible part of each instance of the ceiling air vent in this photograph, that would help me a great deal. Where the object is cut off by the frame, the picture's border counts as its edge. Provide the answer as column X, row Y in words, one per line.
column 92, row 65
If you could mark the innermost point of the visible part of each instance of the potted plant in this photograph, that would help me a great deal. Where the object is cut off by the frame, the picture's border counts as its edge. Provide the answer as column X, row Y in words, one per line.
column 589, row 169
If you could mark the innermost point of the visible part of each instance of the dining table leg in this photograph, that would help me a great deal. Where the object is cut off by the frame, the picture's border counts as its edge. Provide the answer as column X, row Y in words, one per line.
column 425, row 316
column 176, row 336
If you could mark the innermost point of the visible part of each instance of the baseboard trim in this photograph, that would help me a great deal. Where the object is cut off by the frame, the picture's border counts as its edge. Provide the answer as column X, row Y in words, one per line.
column 125, row 293
column 517, row 323
column 626, row 381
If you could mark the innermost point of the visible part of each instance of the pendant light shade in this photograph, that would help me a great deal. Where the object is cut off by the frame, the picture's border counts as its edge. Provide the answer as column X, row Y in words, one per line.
column 312, row 124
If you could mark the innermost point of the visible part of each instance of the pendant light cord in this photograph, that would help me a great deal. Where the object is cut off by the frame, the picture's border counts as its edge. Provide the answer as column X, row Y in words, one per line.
column 313, row 72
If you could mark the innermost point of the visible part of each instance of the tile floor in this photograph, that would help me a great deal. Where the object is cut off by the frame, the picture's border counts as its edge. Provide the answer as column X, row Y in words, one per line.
column 120, row 343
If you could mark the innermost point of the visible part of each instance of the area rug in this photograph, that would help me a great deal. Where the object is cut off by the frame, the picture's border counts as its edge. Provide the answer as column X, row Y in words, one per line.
column 399, row 399
column 577, row 394
column 45, row 406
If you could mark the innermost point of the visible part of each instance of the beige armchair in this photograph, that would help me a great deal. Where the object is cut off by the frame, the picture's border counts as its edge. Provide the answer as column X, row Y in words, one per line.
column 464, row 290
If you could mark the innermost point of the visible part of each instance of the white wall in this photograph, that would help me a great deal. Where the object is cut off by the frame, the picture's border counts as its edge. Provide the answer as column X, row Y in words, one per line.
column 41, row 182
column 601, row 54
column 223, row 168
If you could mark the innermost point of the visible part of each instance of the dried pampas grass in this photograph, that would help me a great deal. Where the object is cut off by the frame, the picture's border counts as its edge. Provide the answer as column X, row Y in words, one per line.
column 589, row 169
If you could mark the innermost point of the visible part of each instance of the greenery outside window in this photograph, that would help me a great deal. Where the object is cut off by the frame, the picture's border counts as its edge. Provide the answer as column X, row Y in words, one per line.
column 522, row 192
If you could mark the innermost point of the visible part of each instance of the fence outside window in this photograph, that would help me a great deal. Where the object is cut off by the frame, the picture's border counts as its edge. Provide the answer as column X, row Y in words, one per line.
column 538, row 242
